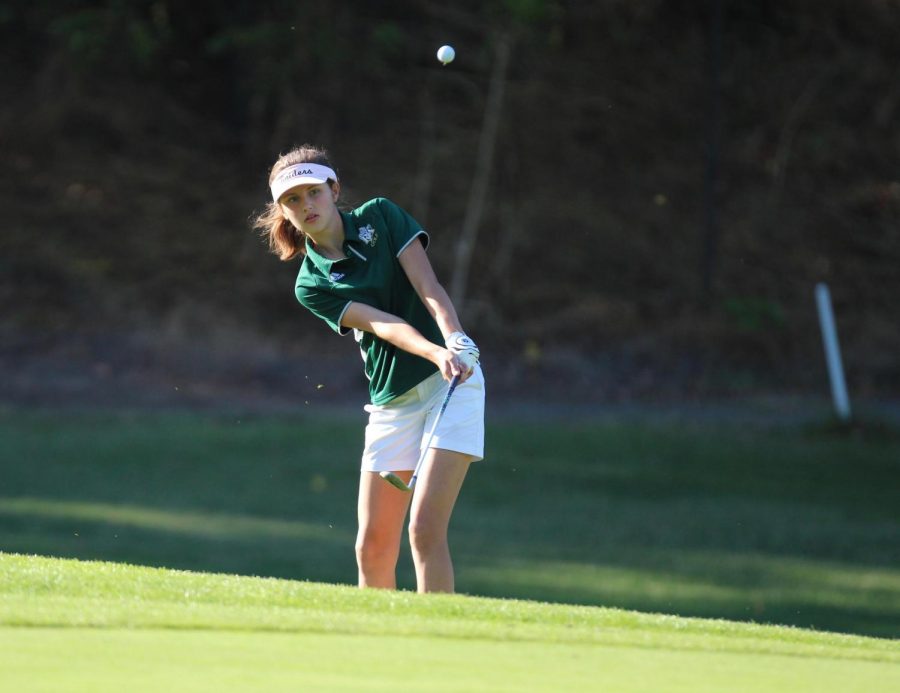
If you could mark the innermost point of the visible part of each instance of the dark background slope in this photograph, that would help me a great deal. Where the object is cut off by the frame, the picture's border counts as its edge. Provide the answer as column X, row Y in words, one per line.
column 136, row 138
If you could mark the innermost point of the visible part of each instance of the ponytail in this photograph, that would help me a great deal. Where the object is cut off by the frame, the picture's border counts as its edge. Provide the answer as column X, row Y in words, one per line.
column 286, row 240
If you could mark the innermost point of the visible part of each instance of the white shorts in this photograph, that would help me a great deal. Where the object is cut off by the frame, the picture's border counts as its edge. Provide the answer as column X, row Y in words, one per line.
column 397, row 430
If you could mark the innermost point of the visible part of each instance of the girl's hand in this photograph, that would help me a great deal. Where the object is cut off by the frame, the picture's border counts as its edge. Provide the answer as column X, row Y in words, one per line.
column 450, row 366
column 464, row 348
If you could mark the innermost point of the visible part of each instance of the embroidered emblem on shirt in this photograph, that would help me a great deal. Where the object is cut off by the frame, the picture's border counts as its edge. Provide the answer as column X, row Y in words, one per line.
column 368, row 235
column 336, row 276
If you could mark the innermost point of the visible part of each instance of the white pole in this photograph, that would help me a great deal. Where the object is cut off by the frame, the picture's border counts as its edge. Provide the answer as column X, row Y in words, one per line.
column 832, row 353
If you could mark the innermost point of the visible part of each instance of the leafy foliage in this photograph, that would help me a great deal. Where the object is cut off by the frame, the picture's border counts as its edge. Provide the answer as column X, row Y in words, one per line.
column 597, row 198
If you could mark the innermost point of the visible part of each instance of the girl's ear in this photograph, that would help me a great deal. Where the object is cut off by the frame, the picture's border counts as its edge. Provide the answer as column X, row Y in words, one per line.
column 335, row 190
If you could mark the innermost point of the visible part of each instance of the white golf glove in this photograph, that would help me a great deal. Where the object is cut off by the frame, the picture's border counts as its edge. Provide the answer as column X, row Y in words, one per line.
column 464, row 348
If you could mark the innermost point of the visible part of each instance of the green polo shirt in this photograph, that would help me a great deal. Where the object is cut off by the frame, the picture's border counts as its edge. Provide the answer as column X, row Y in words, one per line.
column 374, row 236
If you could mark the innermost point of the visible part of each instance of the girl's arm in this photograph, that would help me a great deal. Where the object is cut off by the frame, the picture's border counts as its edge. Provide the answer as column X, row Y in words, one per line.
column 418, row 269
column 401, row 334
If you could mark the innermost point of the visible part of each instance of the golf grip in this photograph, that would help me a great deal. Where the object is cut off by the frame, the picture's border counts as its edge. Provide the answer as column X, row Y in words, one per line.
column 453, row 383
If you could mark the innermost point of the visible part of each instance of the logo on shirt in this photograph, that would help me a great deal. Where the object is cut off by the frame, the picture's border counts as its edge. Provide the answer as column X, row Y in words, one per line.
column 368, row 235
column 336, row 276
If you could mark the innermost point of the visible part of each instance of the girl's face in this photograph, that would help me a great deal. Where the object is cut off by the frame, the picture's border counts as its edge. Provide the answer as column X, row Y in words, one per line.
column 310, row 208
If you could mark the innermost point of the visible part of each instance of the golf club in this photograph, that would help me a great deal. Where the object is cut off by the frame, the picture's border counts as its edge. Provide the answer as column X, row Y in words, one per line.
column 392, row 478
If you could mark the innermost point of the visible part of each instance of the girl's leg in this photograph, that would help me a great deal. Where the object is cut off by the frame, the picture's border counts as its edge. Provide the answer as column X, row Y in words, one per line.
column 381, row 510
column 435, row 495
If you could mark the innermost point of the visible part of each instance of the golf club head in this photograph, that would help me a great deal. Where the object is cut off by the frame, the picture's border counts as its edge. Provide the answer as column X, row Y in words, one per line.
column 395, row 480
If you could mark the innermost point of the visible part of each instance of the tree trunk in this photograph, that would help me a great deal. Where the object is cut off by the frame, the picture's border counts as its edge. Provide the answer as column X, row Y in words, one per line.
column 484, row 164
column 425, row 171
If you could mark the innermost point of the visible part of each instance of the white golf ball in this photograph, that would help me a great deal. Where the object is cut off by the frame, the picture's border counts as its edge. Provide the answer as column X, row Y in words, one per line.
column 446, row 54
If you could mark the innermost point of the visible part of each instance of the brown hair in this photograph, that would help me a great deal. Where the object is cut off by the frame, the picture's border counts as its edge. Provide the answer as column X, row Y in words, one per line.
column 285, row 239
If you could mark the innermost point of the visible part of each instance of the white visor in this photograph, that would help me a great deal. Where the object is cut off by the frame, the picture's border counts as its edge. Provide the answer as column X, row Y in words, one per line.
column 300, row 174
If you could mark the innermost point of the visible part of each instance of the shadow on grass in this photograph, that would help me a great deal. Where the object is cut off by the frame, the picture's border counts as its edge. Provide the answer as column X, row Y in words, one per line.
column 741, row 587
column 728, row 582
column 790, row 526
column 174, row 538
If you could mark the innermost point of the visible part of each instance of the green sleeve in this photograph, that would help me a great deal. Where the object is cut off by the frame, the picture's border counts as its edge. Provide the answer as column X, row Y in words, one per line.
column 402, row 228
column 324, row 305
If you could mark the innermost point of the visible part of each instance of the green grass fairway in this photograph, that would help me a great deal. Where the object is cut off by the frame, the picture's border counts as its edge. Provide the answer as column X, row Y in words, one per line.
column 775, row 524
column 87, row 626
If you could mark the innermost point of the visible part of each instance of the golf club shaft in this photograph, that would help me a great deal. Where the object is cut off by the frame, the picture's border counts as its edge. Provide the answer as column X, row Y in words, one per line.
column 437, row 419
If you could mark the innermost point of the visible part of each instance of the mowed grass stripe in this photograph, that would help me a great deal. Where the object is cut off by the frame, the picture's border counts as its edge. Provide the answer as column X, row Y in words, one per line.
column 76, row 659
column 41, row 592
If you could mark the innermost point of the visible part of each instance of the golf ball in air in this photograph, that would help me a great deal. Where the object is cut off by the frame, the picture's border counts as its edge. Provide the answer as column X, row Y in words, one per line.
column 446, row 54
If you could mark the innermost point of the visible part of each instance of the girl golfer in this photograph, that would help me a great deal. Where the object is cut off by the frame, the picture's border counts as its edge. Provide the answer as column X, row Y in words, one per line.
column 367, row 271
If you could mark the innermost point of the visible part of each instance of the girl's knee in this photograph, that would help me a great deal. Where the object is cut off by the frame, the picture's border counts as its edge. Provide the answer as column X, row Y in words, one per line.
column 373, row 546
column 426, row 536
